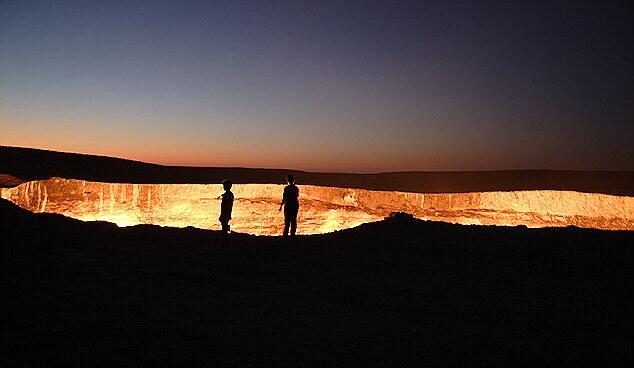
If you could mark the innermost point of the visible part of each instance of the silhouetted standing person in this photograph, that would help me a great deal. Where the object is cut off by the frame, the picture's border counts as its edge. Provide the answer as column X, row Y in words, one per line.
column 226, row 206
column 290, row 202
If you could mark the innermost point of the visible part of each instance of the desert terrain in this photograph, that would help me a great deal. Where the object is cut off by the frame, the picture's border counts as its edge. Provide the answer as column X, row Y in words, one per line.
column 396, row 291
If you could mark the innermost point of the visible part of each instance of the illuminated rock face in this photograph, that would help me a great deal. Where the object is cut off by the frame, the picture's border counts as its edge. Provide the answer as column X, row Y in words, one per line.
column 322, row 209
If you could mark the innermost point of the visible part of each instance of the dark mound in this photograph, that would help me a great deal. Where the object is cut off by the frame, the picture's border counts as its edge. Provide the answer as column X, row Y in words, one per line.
column 31, row 164
column 396, row 292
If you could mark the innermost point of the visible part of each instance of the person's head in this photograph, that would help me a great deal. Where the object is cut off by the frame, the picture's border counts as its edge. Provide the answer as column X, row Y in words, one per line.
column 290, row 179
column 227, row 184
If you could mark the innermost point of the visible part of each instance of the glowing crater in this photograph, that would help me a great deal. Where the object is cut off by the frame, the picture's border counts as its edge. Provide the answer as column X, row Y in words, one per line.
column 322, row 209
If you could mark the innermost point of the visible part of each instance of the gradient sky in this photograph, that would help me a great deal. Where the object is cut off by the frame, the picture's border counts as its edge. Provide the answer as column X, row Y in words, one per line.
column 327, row 86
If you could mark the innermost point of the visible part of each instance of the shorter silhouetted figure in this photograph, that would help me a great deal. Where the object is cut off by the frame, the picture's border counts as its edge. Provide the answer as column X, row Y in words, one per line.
column 226, row 206
column 290, row 202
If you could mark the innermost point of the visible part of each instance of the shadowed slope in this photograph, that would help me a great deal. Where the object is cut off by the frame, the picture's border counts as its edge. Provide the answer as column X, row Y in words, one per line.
column 395, row 292
column 31, row 164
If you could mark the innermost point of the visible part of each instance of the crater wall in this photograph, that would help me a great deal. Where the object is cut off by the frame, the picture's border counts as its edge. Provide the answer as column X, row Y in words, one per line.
column 322, row 209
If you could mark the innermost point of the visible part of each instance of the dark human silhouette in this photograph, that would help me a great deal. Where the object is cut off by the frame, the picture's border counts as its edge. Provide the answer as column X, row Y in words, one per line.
column 226, row 206
column 290, row 202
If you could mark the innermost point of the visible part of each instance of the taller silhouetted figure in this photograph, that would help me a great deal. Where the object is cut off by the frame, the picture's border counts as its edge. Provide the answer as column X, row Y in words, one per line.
column 290, row 202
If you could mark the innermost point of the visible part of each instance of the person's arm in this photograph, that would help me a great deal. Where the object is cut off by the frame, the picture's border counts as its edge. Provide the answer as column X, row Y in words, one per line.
column 283, row 200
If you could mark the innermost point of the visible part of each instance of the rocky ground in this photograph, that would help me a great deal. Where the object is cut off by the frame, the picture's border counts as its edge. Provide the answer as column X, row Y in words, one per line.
column 396, row 292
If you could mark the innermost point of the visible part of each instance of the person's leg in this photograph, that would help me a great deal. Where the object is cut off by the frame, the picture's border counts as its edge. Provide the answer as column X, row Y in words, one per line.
column 225, row 233
column 293, row 220
column 293, row 225
column 286, row 224
column 225, row 227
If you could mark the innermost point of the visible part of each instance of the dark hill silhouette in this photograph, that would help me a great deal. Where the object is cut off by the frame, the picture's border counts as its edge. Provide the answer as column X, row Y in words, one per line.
column 30, row 164
column 392, row 293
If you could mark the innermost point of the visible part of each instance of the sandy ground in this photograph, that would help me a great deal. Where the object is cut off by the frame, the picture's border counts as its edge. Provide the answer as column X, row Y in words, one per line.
column 396, row 292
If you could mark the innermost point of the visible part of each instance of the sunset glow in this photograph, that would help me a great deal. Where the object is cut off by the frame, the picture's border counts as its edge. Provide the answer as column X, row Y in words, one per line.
column 336, row 87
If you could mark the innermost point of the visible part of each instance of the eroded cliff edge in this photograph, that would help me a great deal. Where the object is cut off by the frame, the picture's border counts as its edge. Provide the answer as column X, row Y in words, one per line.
column 323, row 209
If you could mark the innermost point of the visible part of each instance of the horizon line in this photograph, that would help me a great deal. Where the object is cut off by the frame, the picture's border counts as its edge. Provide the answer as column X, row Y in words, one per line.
column 311, row 171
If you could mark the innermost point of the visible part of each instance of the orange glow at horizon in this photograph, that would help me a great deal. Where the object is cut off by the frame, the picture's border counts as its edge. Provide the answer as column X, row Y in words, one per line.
column 174, row 148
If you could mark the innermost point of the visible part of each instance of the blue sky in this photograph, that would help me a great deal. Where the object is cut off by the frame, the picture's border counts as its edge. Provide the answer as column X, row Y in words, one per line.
column 329, row 86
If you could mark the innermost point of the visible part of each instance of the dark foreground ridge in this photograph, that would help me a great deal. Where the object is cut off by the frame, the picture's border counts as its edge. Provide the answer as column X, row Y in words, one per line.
column 396, row 292
column 33, row 164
